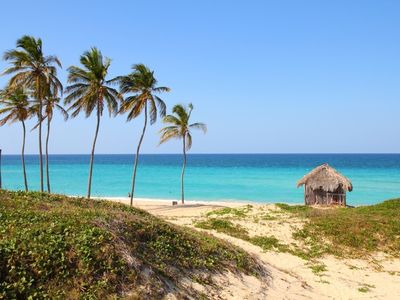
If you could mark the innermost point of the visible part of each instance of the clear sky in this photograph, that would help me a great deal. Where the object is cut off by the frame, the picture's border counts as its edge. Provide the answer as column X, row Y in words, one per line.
column 266, row 76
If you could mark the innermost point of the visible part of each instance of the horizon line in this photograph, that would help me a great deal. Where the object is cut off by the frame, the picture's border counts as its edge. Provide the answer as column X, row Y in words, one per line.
column 215, row 153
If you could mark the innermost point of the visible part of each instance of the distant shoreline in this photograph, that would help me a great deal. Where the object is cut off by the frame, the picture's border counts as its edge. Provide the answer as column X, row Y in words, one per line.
column 161, row 201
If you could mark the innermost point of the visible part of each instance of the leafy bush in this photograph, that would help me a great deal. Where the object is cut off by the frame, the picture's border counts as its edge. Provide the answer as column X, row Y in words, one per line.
column 52, row 246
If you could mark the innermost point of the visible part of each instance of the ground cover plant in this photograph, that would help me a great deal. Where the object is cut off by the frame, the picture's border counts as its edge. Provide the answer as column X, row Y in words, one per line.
column 53, row 246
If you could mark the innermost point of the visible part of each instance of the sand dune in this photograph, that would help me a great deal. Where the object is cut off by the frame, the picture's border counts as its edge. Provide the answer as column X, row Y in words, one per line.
column 291, row 277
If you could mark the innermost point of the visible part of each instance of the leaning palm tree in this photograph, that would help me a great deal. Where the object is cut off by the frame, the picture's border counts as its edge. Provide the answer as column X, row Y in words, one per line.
column 180, row 129
column 32, row 69
column 142, row 85
column 51, row 103
column 15, row 107
column 90, row 91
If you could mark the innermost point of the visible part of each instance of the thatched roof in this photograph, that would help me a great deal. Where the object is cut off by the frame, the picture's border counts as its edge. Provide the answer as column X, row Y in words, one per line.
column 326, row 177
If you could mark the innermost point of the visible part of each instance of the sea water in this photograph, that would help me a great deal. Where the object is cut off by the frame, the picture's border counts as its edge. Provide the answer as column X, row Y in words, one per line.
column 233, row 177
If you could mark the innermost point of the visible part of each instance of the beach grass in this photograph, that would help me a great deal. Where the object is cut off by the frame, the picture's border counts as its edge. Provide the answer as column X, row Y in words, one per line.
column 230, row 211
column 53, row 246
column 343, row 232
column 353, row 231
column 227, row 227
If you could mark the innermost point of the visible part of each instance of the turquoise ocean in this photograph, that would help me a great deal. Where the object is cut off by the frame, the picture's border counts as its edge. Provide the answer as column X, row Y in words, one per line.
column 239, row 177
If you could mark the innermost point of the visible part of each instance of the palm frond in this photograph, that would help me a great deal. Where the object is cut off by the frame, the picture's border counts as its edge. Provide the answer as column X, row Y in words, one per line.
column 200, row 126
column 169, row 133
column 161, row 89
column 141, row 84
column 172, row 119
column 188, row 138
column 63, row 111
column 180, row 127
column 89, row 88
column 162, row 108
column 180, row 110
column 153, row 110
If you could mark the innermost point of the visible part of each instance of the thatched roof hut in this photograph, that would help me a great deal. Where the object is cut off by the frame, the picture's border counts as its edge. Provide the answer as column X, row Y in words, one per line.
column 325, row 185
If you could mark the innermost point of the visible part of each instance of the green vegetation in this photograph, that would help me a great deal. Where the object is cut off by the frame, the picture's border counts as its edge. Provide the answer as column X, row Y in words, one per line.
column 311, row 250
column 142, row 87
column 366, row 288
column 269, row 243
column 268, row 217
column 16, row 109
column 35, row 72
column 52, row 246
column 318, row 268
column 34, row 76
column 298, row 209
column 180, row 128
column 363, row 289
column 343, row 232
column 353, row 231
column 237, row 212
column 237, row 231
column 223, row 226
column 90, row 91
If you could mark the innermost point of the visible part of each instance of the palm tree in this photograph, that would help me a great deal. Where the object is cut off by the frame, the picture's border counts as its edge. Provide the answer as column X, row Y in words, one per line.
column 51, row 103
column 142, row 86
column 90, row 91
column 16, row 108
column 32, row 69
column 180, row 129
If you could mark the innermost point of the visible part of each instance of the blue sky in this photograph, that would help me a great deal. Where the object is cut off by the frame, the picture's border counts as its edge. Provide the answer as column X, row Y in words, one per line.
column 266, row 76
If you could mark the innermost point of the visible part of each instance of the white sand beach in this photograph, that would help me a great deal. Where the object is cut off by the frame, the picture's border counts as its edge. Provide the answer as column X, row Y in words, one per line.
column 291, row 277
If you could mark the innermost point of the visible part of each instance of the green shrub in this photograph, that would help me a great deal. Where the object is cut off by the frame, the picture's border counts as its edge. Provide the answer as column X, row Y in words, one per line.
column 52, row 246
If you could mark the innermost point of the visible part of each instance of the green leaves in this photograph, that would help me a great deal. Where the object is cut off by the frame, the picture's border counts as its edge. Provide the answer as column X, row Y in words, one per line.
column 15, row 106
column 89, row 88
column 180, row 127
column 141, row 87
column 52, row 246
column 31, row 69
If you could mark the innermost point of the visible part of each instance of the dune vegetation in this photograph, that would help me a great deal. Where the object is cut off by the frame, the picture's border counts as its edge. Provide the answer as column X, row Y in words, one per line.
column 53, row 246
column 342, row 232
column 352, row 231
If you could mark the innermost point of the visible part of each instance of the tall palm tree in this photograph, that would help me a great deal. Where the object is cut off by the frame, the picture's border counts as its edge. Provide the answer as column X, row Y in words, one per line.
column 142, row 85
column 180, row 129
column 32, row 69
column 90, row 91
column 51, row 103
column 16, row 108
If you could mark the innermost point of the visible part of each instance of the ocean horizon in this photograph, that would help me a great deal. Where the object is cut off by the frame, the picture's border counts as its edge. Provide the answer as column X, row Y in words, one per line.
column 262, row 178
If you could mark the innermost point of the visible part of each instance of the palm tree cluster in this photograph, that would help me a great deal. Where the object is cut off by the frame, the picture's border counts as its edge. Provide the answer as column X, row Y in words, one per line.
column 35, row 91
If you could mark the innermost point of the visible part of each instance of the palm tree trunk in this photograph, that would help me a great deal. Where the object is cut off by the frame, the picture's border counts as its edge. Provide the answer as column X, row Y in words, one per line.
column 47, row 154
column 183, row 170
column 23, row 156
column 137, row 153
column 40, row 152
column 40, row 133
column 92, row 155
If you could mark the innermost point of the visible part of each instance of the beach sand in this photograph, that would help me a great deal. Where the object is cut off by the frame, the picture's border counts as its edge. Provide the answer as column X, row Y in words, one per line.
column 290, row 277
